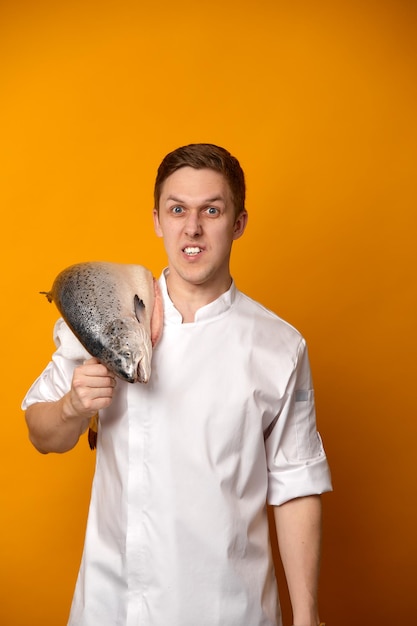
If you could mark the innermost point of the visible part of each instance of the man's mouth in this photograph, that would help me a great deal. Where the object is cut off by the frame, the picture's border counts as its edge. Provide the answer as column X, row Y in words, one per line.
column 192, row 250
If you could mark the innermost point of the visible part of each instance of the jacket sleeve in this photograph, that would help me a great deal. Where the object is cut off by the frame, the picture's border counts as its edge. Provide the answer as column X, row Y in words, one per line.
column 55, row 380
column 296, row 460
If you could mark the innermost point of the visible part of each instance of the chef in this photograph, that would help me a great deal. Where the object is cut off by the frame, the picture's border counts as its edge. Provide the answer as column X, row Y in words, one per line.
column 177, row 531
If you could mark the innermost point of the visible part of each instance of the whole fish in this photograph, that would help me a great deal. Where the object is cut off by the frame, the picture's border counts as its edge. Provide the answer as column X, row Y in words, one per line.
column 115, row 310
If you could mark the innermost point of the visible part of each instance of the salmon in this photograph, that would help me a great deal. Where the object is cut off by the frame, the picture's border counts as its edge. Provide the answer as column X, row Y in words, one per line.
column 115, row 310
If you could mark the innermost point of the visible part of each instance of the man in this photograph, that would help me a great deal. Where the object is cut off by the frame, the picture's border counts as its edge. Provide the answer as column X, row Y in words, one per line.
column 177, row 533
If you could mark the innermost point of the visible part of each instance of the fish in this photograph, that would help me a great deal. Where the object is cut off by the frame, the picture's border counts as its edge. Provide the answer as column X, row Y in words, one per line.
column 115, row 310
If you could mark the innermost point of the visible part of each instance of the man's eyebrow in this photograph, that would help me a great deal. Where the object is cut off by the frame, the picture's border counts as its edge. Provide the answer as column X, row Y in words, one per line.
column 215, row 199
column 207, row 201
column 174, row 199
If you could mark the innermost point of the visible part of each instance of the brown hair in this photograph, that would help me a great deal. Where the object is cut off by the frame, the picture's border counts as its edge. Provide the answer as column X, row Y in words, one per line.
column 200, row 156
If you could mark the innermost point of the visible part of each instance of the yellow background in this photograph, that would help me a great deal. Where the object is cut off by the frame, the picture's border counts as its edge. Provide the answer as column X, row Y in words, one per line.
column 318, row 101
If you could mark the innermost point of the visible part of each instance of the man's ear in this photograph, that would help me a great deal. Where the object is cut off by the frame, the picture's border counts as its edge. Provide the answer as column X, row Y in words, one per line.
column 156, row 224
column 240, row 225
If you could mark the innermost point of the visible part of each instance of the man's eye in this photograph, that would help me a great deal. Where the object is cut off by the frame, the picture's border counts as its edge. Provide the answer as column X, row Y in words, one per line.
column 177, row 209
column 212, row 210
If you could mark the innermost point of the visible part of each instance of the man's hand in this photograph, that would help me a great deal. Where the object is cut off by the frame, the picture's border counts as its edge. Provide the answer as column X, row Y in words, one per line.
column 91, row 390
column 57, row 426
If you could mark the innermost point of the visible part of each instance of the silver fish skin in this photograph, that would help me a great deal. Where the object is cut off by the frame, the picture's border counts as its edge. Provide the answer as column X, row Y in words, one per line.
column 108, row 306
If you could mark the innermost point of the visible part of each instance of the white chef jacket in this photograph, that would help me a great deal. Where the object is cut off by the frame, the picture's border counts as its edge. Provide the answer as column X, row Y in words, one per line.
column 177, row 532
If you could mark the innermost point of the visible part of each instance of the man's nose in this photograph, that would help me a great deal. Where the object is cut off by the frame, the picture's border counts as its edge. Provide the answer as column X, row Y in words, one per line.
column 193, row 225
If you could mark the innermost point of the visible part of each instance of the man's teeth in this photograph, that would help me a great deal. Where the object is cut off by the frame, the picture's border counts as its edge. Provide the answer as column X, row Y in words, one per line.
column 190, row 251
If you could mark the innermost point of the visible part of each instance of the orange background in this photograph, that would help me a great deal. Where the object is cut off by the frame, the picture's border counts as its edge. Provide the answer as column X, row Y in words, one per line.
column 318, row 101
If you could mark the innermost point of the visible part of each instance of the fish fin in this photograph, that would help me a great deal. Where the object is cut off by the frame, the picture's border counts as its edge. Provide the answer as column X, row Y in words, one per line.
column 92, row 432
column 92, row 439
column 48, row 294
column 139, row 308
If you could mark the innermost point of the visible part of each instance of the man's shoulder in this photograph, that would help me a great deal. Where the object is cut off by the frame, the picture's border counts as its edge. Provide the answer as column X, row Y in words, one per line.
column 67, row 344
column 261, row 315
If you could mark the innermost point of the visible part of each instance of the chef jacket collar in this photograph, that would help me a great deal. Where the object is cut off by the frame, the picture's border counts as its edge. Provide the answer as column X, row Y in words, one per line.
column 209, row 311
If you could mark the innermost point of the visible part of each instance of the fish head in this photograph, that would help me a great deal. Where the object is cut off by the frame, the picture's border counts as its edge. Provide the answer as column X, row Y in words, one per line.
column 127, row 350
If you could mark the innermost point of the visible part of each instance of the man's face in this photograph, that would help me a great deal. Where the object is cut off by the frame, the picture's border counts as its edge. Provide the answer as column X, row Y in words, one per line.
column 197, row 222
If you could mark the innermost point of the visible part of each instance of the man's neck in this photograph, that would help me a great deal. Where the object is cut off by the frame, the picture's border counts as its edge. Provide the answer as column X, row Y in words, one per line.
column 189, row 298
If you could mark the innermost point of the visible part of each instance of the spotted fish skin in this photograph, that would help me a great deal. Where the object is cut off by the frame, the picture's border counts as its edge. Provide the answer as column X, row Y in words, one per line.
column 109, row 307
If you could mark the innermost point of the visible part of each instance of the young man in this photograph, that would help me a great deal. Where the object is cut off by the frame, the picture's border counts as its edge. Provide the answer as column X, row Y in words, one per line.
column 177, row 532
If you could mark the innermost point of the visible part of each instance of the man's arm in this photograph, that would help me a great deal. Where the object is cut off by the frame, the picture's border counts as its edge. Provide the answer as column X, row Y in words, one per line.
column 298, row 525
column 57, row 426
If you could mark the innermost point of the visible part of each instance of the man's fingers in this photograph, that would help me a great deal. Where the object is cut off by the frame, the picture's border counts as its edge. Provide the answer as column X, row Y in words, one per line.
column 93, row 367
